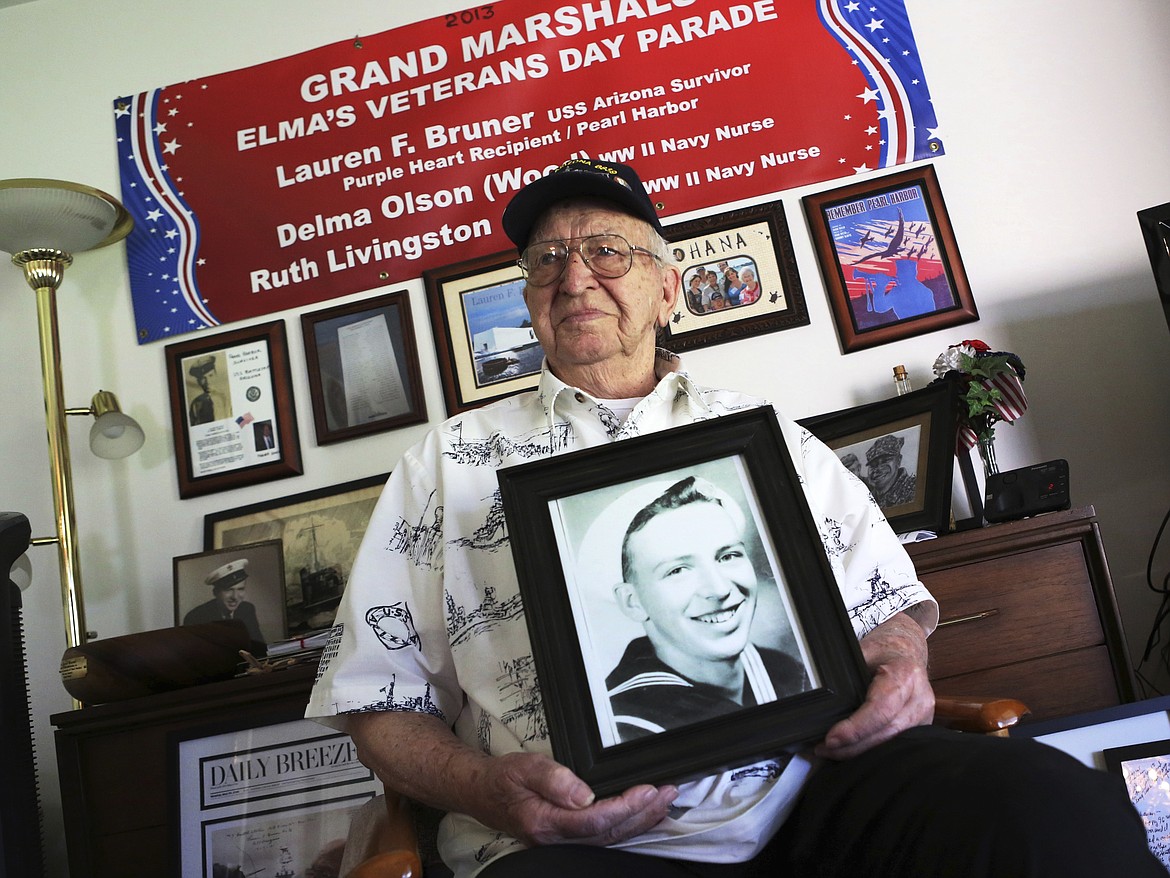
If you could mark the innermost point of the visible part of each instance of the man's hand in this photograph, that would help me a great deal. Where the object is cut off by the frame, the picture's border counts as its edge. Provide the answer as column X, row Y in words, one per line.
column 539, row 801
column 527, row 795
column 899, row 697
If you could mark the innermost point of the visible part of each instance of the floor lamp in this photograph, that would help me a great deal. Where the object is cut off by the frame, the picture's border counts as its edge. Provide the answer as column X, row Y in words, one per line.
column 42, row 224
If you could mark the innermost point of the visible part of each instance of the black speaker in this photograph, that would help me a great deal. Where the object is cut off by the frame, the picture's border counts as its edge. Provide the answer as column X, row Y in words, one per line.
column 1031, row 490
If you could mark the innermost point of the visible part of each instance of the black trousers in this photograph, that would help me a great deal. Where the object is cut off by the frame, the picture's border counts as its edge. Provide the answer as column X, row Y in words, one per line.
column 928, row 803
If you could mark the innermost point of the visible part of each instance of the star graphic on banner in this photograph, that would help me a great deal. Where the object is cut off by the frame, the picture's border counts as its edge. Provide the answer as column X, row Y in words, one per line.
column 171, row 146
column 121, row 110
column 934, row 134
column 172, row 233
column 160, row 128
column 872, row 129
column 852, row 7
column 875, row 24
column 864, row 169
column 869, row 95
column 154, row 215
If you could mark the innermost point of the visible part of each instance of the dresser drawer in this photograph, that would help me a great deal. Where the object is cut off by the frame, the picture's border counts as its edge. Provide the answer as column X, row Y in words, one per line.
column 1053, row 686
column 992, row 615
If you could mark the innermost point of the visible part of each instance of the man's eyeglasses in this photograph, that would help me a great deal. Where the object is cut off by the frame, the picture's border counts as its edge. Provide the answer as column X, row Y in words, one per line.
column 606, row 255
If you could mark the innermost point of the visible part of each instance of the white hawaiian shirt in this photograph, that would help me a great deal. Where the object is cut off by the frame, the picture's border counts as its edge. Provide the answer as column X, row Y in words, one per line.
column 432, row 619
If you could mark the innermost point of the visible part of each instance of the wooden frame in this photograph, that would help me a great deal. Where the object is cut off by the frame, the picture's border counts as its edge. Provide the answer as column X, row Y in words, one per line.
column 567, row 517
column 232, row 409
column 755, row 239
column 889, row 259
column 264, row 597
column 486, row 347
column 921, row 424
column 364, row 374
column 262, row 798
column 320, row 531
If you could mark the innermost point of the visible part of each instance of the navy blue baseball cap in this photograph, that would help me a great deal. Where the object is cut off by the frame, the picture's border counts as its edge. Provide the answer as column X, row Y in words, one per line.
column 577, row 178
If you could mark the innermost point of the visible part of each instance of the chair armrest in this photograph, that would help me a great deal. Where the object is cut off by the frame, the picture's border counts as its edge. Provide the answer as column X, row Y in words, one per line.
column 383, row 840
column 971, row 714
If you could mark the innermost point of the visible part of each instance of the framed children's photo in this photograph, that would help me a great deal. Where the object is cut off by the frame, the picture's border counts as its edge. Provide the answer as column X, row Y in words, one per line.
column 232, row 409
column 739, row 278
column 487, row 349
column 889, row 259
column 363, row 368
column 903, row 449
column 690, row 557
column 245, row 583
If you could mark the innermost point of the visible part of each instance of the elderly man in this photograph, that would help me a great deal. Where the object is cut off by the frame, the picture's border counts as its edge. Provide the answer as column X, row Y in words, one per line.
column 449, row 713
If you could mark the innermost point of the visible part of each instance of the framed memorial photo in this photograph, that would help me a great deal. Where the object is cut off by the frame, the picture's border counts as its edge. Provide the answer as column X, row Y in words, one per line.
column 739, row 278
column 903, row 449
column 363, row 368
column 687, row 555
column 272, row 799
column 244, row 582
column 487, row 349
column 319, row 532
column 232, row 409
column 889, row 259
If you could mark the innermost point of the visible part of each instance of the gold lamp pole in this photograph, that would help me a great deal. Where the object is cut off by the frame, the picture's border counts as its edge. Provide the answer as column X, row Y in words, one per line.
column 42, row 223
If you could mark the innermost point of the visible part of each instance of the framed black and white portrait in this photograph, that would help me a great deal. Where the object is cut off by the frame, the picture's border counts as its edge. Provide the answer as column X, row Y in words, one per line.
column 676, row 589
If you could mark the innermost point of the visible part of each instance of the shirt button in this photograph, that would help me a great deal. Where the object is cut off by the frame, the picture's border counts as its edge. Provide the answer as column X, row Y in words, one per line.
column 580, row 397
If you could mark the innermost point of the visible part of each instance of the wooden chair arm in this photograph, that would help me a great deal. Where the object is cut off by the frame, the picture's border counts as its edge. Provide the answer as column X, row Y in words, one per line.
column 985, row 715
column 390, row 849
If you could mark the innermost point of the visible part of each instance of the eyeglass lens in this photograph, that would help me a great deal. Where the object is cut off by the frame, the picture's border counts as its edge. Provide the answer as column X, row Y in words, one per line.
column 606, row 255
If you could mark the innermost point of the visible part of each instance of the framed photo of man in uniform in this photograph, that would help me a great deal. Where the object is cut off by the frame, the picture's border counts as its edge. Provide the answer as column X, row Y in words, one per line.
column 682, row 611
column 245, row 583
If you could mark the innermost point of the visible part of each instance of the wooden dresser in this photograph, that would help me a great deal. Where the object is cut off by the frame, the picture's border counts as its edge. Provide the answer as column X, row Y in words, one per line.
column 1028, row 612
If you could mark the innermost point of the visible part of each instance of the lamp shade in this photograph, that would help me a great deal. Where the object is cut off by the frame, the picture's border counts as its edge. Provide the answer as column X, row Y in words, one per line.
column 114, row 435
column 57, row 215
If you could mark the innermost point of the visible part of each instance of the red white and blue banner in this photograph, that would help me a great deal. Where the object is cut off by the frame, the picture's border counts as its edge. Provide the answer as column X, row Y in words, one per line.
column 365, row 162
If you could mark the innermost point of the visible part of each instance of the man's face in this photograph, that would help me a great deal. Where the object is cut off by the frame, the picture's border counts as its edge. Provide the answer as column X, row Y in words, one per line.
column 232, row 597
column 882, row 471
column 694, row 587
column 585, row 320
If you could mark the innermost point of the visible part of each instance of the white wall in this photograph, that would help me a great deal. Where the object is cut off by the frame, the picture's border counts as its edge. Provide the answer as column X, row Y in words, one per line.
column 1054, row 126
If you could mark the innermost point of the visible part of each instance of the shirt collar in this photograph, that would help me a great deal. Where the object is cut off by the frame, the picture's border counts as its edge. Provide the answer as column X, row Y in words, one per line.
column 672, row 380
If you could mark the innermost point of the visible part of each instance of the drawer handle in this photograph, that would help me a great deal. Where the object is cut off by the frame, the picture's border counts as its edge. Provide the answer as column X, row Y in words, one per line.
column 974, row 617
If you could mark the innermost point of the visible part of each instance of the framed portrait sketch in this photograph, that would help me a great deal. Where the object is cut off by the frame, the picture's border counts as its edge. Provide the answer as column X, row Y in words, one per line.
column 487, row 349
column 1145, row 768
column 319, row 532
column 689, row 558
column 903, row 449
column 244, row 583
column 232, row 409
column 363, row 368
column 275, row 799
column 889, row 259
column 739, row 278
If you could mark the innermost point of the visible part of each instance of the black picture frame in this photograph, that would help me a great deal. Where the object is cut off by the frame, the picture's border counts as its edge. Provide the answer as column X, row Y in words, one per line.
column 480, row 359
column 310, row 600
column 1145, row 769
column 373, row 338
column 898, row 225
column 1155, row 225
column 754, row 238
column 550, row 508
column 232, row 409
column 925, row 422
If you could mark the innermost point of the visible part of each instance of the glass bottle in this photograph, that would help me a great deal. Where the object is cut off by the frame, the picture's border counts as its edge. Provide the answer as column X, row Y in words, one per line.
column 902, row 380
